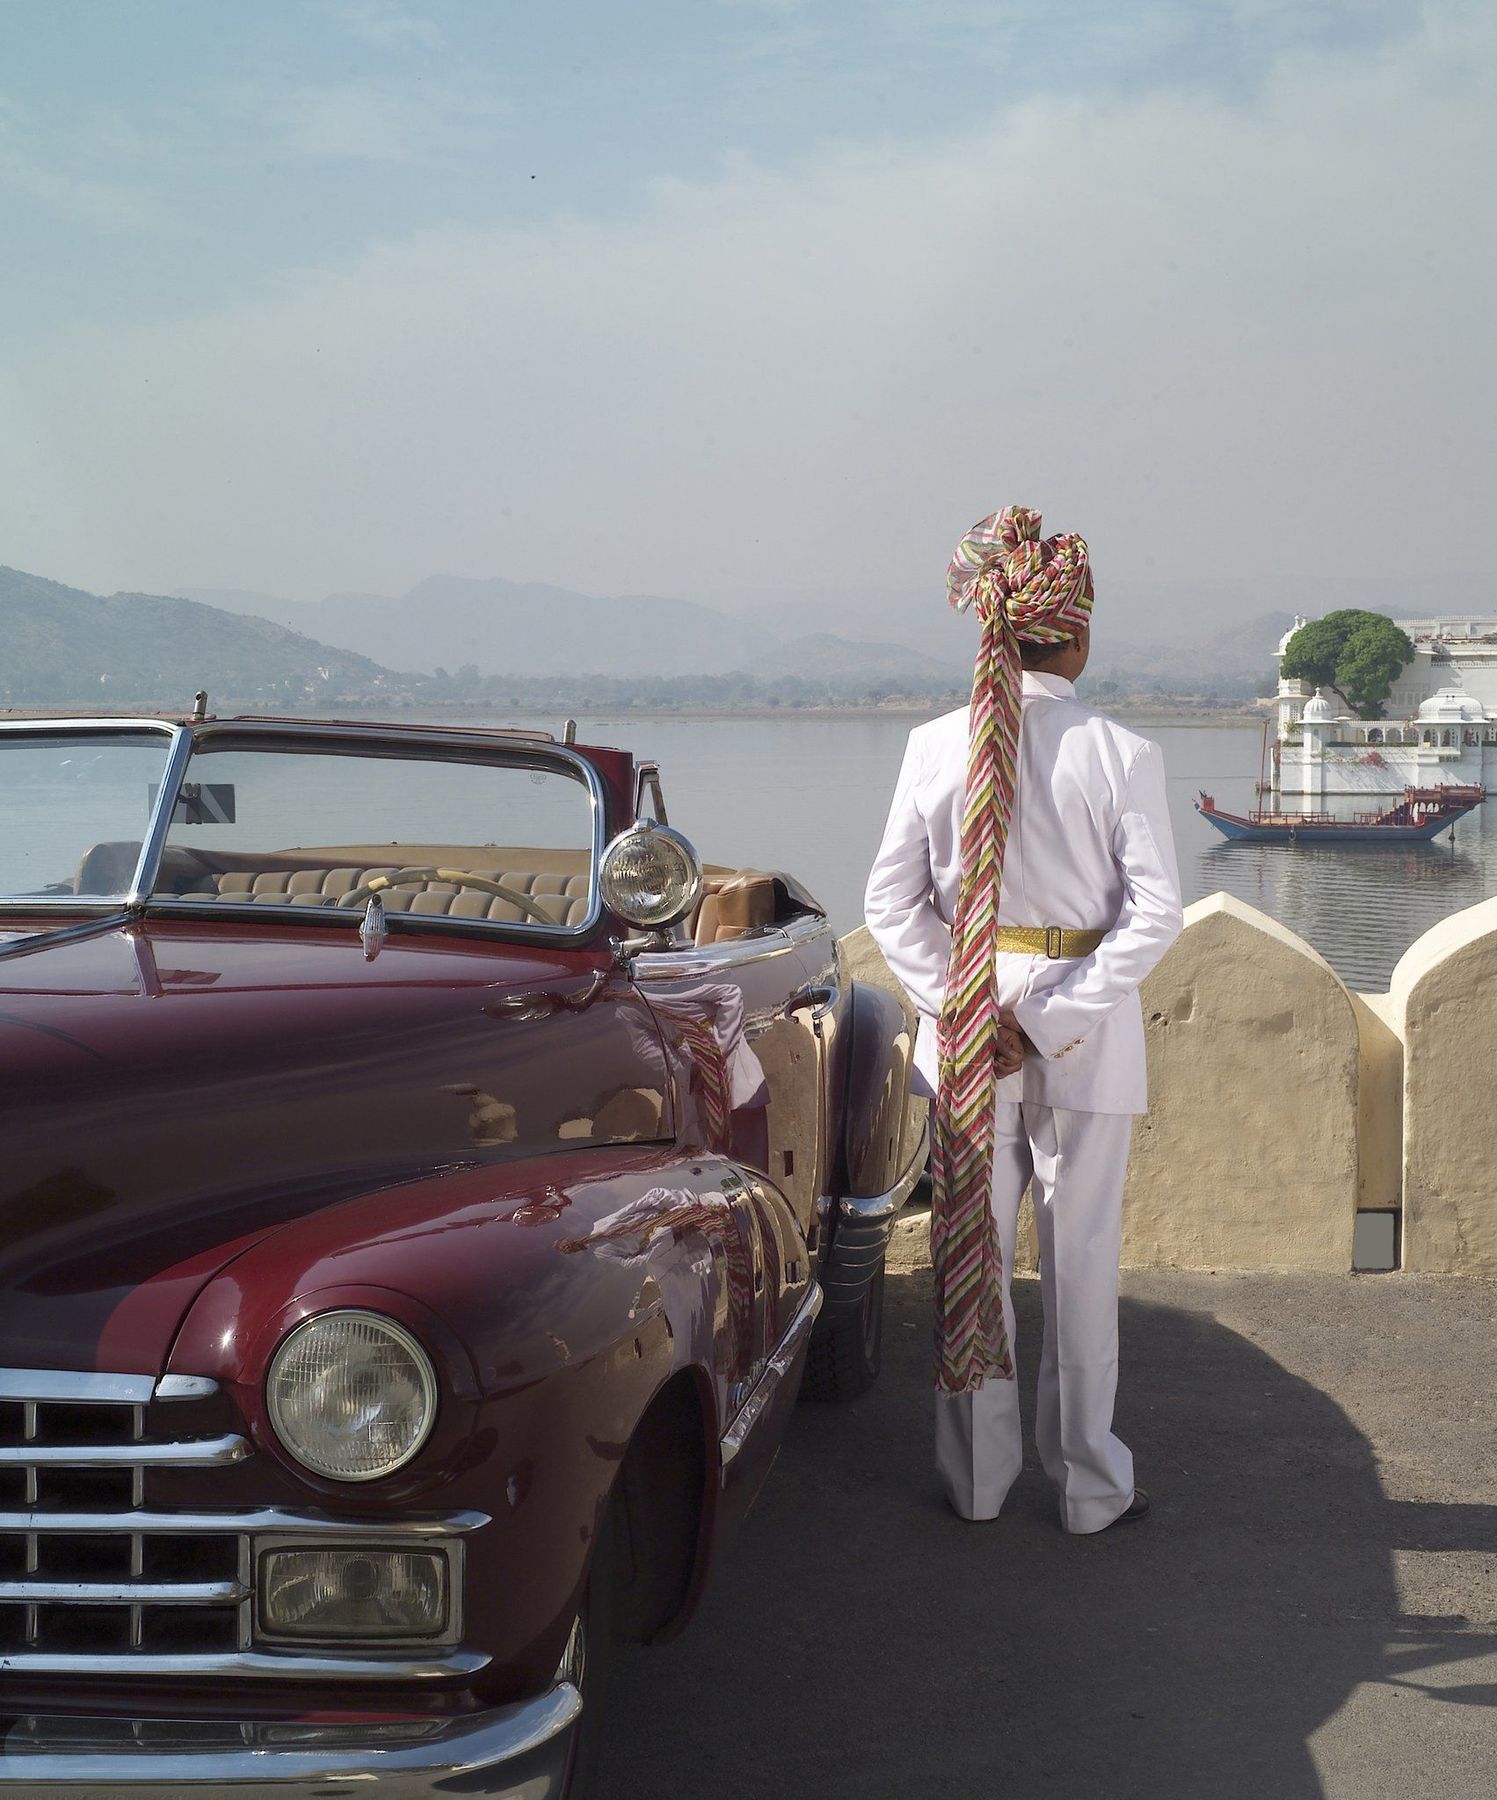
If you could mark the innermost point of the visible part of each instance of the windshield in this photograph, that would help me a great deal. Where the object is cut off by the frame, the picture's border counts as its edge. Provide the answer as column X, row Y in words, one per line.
column 74, row 808
column 322, row 826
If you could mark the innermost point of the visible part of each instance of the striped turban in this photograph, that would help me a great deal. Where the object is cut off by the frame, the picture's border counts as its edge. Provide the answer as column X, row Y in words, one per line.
column 1029, row 589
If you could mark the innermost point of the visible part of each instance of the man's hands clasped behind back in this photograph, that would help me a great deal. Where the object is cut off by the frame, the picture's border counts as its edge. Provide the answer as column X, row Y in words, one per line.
column 1013, row 1045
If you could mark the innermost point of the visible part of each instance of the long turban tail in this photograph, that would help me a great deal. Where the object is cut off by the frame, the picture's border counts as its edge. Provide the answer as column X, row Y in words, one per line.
column 1040, row 591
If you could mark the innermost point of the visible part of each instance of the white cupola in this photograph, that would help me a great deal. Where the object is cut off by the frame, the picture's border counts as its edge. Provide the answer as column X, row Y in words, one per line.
column 1318, row 709
column 1452, row 706
column 1284, row 641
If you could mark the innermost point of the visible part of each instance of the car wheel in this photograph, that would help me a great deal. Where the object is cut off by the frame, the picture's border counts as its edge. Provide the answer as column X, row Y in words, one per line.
column 588, row 1665
column 846, row 1346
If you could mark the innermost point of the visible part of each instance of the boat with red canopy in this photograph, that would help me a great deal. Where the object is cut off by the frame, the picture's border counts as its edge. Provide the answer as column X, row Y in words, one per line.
column 1421, row 814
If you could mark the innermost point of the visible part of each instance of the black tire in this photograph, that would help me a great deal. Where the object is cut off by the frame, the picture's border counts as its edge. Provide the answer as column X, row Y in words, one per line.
column 846, row 1348
column 595, row 1656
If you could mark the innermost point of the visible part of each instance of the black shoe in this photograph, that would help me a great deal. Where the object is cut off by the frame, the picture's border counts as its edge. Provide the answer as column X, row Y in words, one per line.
column 1137, row 1508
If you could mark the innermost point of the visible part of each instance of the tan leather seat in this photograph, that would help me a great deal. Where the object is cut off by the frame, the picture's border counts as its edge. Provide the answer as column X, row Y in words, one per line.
column 732, row 905
column 734, row 902
column 563, row 898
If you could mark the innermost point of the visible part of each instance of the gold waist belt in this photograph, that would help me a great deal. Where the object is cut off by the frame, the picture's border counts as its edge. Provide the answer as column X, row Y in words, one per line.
column 1048, row 940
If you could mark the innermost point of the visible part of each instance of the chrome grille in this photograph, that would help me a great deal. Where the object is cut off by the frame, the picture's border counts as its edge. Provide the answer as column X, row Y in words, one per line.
column 84, row 1570
column 94, row 1580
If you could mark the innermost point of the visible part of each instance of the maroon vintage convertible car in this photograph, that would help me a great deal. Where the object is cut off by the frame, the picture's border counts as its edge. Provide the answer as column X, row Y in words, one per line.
column 419, row 1183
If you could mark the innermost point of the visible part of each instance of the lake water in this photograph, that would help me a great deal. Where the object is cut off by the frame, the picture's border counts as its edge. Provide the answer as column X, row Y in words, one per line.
column 811, row 795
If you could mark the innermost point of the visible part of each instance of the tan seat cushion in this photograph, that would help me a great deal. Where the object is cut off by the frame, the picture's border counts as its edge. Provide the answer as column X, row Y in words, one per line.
column 562, row 898
column 734, row 902
column 731, row 906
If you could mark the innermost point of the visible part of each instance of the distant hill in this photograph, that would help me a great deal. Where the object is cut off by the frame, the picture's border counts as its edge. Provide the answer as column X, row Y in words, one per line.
column 518, row 628
column 65, row 647
column 824, row 656
column 1237, row 660
column 917, row 619
column 1164, row 637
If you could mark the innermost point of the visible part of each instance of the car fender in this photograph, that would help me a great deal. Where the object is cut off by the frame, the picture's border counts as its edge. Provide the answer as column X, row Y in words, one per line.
column 881, row 1151
column 880, row 1136
column 559, row 1298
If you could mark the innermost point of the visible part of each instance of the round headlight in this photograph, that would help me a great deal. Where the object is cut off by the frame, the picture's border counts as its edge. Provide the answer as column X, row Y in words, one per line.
column 650, row 875
column 351, row 1395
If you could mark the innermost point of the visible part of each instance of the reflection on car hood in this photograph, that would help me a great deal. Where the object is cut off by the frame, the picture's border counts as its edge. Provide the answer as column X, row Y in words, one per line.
column 171, row 1093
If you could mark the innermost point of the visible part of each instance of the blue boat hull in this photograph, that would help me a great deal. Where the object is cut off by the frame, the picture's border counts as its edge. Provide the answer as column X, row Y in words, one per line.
column 1240, row 831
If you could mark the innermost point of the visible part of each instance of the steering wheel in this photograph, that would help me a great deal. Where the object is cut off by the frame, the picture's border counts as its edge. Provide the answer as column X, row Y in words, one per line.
column 405, row 877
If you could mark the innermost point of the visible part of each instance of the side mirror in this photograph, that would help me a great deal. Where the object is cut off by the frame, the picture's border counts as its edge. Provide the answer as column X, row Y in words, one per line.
column 650, row 875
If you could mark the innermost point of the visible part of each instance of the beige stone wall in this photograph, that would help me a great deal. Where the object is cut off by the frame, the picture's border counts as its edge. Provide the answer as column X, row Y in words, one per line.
column 1379, row 1105
column 1247, row 1158
column 1443, row 1004
column 1283, row 1103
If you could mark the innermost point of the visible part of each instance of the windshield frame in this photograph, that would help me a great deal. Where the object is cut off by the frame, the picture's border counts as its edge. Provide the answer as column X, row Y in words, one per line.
column 417, row 743
column 178, row 749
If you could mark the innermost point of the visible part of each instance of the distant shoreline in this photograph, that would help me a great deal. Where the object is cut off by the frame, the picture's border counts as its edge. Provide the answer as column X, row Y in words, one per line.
column 1127, row 712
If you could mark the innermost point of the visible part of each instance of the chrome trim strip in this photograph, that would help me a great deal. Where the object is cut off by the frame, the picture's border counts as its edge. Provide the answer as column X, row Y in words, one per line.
column 874, row 1208
column 65, row 1385
column 123, row 1593
column 187, row 1453
column 704, row 959
column 166, row 804
column 670, row 965
column 184, row 1387
column 268, row 1518
column 94, row 925
column 453, row 1757
column 774, row 1372
column 272, row 1665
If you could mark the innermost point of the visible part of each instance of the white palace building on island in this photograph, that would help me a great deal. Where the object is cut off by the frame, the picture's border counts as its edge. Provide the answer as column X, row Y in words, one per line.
column 1440, row 723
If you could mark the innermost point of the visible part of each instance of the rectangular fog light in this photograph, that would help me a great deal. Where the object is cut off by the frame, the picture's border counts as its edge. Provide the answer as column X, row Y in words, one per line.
column 377, row 1596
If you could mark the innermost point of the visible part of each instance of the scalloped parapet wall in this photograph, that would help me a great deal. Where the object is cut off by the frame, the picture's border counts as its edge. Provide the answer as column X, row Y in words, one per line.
column 1443, row 1005
column 1282, row 1103
column 1248, row 1156
column 1275, row 1101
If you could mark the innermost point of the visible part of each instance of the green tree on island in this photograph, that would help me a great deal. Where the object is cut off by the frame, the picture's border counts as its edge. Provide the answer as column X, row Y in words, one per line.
column 1357, row 654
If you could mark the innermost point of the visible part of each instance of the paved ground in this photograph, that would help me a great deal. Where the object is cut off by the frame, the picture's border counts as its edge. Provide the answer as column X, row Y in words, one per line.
column 1310, row 1612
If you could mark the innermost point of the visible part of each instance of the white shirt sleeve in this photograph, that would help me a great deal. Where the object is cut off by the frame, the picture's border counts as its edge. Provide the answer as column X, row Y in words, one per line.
column 1057, row 1019
column 899, row 905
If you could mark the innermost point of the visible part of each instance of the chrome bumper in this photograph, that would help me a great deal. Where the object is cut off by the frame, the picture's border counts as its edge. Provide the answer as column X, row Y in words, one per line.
column 864, row 1223
column 873, row 1208
column 514, row 1753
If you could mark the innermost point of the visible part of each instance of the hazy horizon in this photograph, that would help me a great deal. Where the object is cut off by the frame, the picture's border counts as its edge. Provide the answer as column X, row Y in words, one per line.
column 742, row 302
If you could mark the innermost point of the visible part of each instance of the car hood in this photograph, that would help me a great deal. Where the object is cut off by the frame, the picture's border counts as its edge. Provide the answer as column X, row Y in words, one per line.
column 171, row 1093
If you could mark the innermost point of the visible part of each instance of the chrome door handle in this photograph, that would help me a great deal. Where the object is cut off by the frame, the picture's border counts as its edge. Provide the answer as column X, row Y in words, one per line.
column 542, row 1005
column 820, row 996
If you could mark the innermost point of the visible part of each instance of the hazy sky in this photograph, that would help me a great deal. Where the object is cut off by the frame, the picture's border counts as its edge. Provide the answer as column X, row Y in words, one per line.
column 696, row 295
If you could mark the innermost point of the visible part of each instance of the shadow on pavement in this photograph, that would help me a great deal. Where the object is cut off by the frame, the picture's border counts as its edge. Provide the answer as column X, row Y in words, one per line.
column 860, row 1640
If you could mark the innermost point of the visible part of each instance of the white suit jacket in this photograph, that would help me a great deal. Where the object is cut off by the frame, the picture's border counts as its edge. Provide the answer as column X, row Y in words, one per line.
column 1089, row 845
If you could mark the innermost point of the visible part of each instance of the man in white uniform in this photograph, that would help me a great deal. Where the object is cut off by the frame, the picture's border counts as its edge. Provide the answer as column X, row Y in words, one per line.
column 1088, row 863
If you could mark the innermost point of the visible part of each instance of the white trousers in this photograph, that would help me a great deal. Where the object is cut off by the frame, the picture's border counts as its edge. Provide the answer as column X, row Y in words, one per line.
column 1076, row 1162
